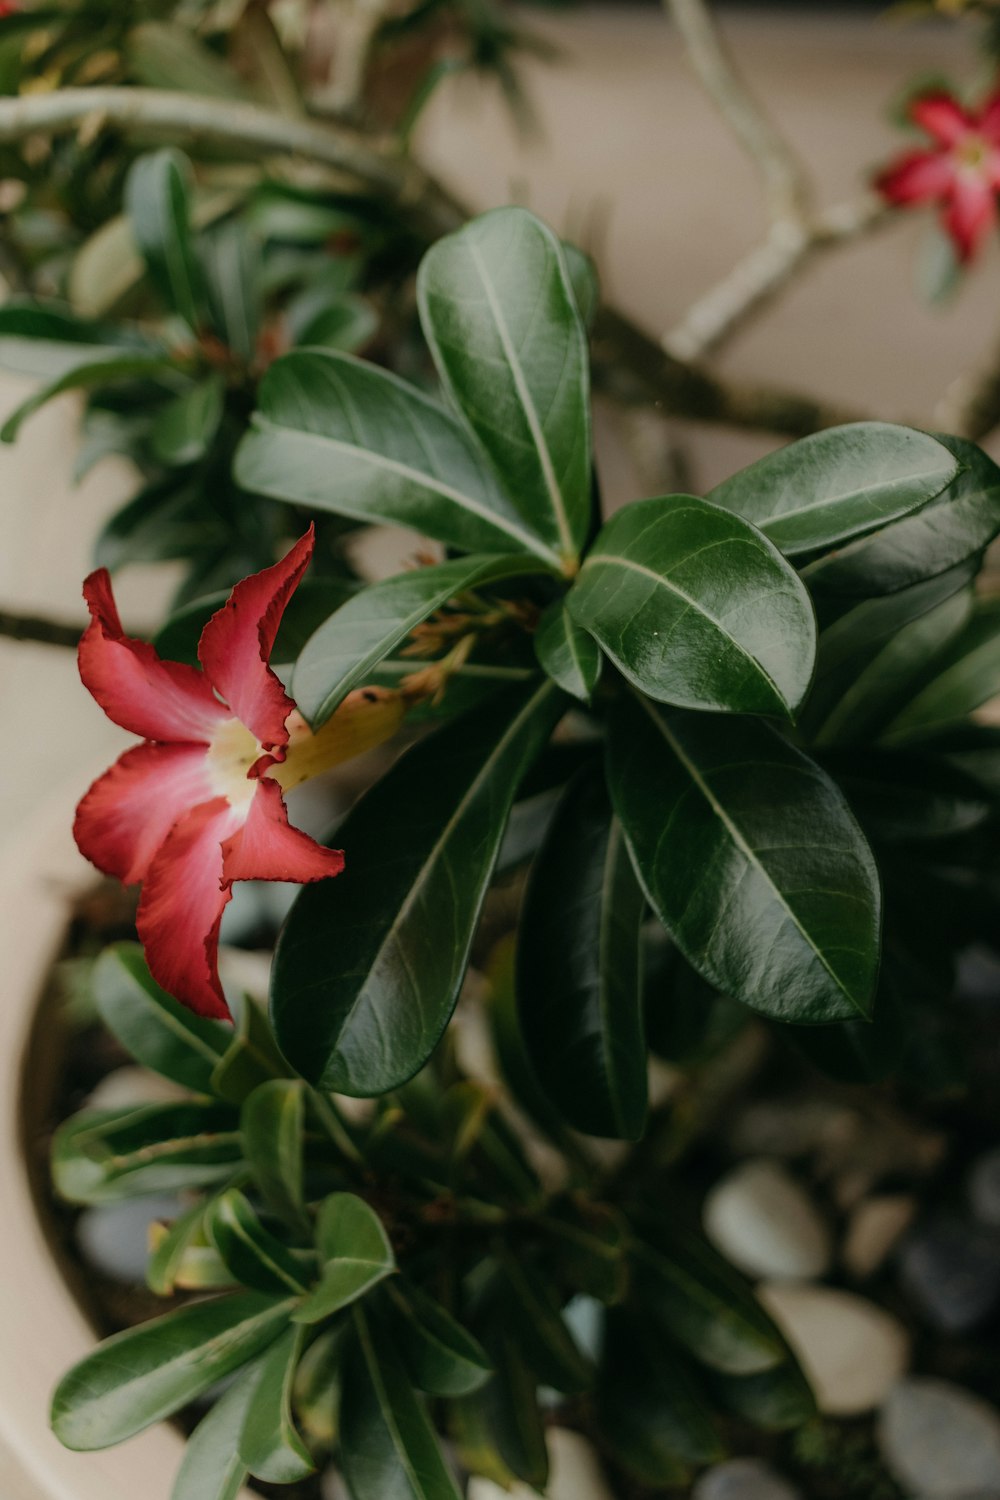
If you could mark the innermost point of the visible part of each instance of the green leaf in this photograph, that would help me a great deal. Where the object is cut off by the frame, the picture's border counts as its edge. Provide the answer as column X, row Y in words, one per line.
column 901, row 797
column 441, row 1356
column 252, row 1253
column 252, row 1058
column 273, row 1124
column 569, row 655
column 838, row 484
column 388, row 1448
column 167, row 1251
column 211, row 1468
column 185, row 428
column 96, row 372
column 650, row 1411
column 347, row 324
column 956, row 526
column 356, row 1252
column 528, row 1305
column 343, row 651
column 156, row 202
column 316, row 1394
column 150, row 1024
column 764, row 880
column 775, row 1400
column 964, row 676
column 232, row 260
column 269, row 1445
column 314, row 601
column 579, row 982
column 361, row 1017
column 334, row 434
column 697, row 608
column 500, row 315
column 698, row 1300
column 147, row 1373
column 104, row 1155
column 168, row 55
column 505, row 1415
column 590, row 1239
column 584, row 280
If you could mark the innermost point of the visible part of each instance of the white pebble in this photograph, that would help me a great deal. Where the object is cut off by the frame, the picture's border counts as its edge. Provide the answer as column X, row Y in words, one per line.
column 851, row 1351
column 764, row 1223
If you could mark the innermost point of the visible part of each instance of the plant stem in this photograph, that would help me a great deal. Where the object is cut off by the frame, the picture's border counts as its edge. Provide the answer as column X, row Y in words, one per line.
column 17, row 627
column 334, row 1127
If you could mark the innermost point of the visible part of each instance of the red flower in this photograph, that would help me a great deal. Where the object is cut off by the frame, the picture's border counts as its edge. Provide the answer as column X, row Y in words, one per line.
column 8, row 8
column 200, row 803
column 961, row 171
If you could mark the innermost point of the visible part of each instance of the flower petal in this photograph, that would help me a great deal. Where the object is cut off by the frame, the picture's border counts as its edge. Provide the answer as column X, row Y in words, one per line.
column 916, row 177
column 128, row 812
column 183, row 899
column 970, row 214
column 989, row 119
column 942, row 117
column 237, row 641
column 267, row 847
column 159, row 700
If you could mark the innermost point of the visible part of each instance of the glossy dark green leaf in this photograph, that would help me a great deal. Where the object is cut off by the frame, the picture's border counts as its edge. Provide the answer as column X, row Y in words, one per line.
column 343, row 651
column 97, row 372
column 273, row 1125
column 869, row 656
column 317, row 1388
column 500, row 315
column 168, row 1243
column 956, row 526
column 697, row 608
column 184, row 429
column 964, row 676
column 231, row 259
column 347, row 324
column 147, row 1373
column 46, row 338
column 529, row 1306
column 567, row 652
column 584, row 281
column 506, row 1412
column 579, row 980
column 255, row 1256
column 211, row 1468
column 103, row 1155
column 974, row 749
column 151, row 1025
column 837, row 484
column 764, row 880
column 269, row 1444
column 441, row 1356
column 651, row 1413
column 388, row 1447
column 251, row 1058
column 333, row 433
column 156, row 202
column 699, row 1300
column 356, row 1253
column 775, row 1399
column 360, row 1016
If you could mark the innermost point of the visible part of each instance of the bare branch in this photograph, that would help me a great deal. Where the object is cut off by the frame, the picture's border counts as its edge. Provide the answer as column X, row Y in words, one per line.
column 756, row 280
column 785, row 179
column 18, row 627
column 628, row 364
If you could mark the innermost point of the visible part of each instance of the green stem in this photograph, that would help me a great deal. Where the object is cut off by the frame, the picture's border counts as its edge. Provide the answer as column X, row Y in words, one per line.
column 334, row 1126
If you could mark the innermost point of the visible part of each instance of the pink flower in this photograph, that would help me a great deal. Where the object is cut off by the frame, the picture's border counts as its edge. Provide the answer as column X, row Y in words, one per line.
column 200, row 803
column 961, row 171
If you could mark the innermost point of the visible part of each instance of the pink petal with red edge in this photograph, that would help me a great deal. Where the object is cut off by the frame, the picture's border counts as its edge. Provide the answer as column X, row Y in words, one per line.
column 128, row 812
column 917, row 177
column 989, row 119
column 182, row 904
column 267, row 847
column 942, row 117
column 237, row 641
column 159, row 700
column 970, row 214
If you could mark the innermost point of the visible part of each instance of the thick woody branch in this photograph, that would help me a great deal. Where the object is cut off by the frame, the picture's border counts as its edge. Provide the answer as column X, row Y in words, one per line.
column 628, row 364
column 17, row 627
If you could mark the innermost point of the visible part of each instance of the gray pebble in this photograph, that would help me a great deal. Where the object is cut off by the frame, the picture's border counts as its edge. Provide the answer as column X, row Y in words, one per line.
column 743, row 1479
column 951, row 1270
column 941, row 1442
column 114, row 1237
column 984, row 1188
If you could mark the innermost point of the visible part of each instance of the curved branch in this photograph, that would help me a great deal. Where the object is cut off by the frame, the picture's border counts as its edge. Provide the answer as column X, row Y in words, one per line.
column 17, row 627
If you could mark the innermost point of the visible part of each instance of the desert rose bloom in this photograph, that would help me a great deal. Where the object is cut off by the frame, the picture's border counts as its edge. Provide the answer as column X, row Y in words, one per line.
column 200, row 803
column 960, row 171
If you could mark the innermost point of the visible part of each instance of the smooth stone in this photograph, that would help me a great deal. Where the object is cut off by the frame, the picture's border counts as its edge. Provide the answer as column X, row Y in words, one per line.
column 743, row 1479
column 851, row 1351
column 575, row 1474
column 874, row 1227
column 114, row 1237
column 984, row 1188
column 940, row 1441
column 762, row 1221
column 951, row 1270
column 977, row 977
column 133, row 1085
